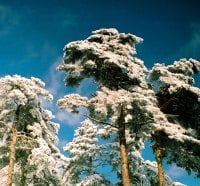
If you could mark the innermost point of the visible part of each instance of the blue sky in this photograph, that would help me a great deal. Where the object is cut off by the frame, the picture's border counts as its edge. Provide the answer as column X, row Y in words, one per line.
column 34, row 32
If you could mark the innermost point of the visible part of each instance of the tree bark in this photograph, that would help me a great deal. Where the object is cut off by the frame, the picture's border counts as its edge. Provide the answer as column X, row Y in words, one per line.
column 123, row 149
column 12, row 156
column 158, row 151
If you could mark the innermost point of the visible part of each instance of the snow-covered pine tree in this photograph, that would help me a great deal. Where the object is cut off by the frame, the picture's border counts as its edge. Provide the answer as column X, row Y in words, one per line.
column 84, row 157
column 123, row 102
column 178, row 140
column 37, row 161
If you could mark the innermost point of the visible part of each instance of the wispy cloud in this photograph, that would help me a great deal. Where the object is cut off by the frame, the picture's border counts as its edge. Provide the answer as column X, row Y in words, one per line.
column 192, row 47
column 8, row 20
column 40, row 51
column 57, row 88
column 54, row 79
column 69, row 118
column 176, row 172
column 68, row 19
column 56, row 84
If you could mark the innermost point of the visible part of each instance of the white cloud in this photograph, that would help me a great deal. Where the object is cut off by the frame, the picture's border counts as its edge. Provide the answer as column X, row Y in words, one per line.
column 54, row 79
column 69, row 118
column 55, row 85
column 175, row 172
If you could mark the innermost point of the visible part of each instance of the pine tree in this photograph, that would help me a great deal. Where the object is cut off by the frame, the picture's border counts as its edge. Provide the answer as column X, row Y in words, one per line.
column 33, row 154
column 84, row 157
column 129, row 101
column 178, row 99
column 123, row 101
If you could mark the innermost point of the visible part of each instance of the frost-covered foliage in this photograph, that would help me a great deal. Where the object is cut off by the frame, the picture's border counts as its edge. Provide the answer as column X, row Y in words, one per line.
column 179, row 100
column 132, row 100
column 120, row 79
column 37, row 157
column 141, row 172
column 107, row 56
column 72, row 102
column 146, row 172
column 84, row 154
column 176, row 76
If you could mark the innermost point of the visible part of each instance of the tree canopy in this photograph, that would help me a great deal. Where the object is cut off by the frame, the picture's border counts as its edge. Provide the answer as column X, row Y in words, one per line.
column 37, row 159
column 132, row 99
column 130, row 106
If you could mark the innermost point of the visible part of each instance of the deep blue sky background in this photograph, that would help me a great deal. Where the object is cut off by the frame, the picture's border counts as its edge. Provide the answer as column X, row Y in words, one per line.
column 34, row 32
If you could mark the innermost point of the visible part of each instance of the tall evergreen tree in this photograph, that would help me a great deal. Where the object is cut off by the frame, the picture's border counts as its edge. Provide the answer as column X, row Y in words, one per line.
column 178, row 98
column 34, row 155
column 123, row 103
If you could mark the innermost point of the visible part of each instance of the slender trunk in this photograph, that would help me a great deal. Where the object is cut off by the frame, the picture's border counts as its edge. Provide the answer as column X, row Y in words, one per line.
column 158, row 151
column 12, row 156
column 123, row 150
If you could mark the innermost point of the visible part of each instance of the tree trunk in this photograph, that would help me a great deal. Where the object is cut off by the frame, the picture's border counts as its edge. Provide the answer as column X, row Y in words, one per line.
column 12, row 156
column 123, row 150
column 158, row 151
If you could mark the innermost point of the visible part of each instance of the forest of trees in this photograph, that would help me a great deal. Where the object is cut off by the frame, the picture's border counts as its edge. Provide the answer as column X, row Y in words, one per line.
column 130, row 106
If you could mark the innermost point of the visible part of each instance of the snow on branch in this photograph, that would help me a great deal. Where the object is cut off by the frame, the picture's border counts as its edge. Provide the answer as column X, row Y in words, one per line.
column 72, row 102
column 176, row 75
column 107, row 56
column 186, row 67
column 101, row 122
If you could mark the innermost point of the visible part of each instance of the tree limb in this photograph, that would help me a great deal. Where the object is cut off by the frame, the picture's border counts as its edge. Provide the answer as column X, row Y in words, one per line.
column 21, row 135
column 102, row 122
